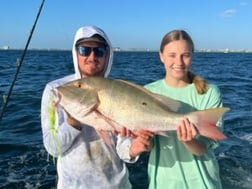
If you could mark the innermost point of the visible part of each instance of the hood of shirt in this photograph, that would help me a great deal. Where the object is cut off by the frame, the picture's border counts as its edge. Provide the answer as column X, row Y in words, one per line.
column 86, row 32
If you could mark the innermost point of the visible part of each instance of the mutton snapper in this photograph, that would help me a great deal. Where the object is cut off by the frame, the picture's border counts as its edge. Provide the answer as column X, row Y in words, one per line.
column 109, row 103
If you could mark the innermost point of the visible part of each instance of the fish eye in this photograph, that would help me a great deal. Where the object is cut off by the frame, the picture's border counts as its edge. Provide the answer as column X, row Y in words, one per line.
column 78, row 85
column 144, row 103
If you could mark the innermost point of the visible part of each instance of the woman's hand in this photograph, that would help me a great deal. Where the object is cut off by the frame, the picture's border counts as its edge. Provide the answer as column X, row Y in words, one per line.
column 187, row 133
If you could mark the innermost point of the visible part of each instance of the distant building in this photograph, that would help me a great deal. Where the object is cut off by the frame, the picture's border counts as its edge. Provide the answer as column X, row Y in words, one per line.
column 117, row 49
column 6, row 47
column 226, row 50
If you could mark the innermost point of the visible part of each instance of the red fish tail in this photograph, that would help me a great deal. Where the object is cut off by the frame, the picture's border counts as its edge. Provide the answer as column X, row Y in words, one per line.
column 206, row 120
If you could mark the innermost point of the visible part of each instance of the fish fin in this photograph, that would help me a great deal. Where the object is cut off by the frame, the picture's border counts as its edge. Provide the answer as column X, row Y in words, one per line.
column 162, row 133
column 206, row 120
column 166, row 102
column 134, row 85
column 90, row 100
column 105, row 136
column 171, row 104
column 111, row 123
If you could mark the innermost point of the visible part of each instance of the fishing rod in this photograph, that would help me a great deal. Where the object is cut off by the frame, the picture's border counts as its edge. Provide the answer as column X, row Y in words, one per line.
column 20, row 61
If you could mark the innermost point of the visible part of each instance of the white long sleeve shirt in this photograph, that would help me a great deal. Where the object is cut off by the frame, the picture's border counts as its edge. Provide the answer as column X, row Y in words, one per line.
column 84, row 160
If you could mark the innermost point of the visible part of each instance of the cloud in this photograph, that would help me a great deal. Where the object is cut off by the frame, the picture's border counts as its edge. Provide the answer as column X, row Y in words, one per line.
column 229, row 12
column 243, row 3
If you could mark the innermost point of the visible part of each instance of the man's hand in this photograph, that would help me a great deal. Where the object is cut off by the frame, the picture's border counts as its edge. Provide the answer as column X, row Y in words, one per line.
column 142, row 142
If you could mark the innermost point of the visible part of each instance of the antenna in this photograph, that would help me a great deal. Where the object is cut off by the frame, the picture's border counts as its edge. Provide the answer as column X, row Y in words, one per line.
column 20, row 61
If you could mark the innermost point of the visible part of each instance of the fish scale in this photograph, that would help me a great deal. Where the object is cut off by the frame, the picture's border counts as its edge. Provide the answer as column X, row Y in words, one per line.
column 111, row 104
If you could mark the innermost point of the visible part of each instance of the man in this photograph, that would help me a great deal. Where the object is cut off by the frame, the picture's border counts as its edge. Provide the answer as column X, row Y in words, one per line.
column 84, row 159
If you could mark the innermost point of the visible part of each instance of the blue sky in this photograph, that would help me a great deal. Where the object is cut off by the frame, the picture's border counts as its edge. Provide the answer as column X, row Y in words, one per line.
column 213, row 24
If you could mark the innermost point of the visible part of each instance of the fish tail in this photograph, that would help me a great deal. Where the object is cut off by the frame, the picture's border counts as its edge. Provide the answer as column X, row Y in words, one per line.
column 206, row 120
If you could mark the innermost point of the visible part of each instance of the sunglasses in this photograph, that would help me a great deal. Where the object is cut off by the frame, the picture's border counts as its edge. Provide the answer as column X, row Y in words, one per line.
column 86, row 51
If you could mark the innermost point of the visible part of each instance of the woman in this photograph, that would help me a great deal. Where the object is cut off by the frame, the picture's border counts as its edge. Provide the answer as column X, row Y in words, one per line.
column 185, row 159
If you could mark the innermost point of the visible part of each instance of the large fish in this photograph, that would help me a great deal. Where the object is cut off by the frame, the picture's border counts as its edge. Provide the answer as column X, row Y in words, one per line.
column 110, row 104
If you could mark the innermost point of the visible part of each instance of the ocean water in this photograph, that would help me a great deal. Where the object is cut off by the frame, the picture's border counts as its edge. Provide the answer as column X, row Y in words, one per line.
column 24, row 163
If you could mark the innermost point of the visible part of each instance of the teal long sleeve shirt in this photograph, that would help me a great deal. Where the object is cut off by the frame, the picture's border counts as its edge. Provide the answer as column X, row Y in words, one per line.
column 171, row 165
